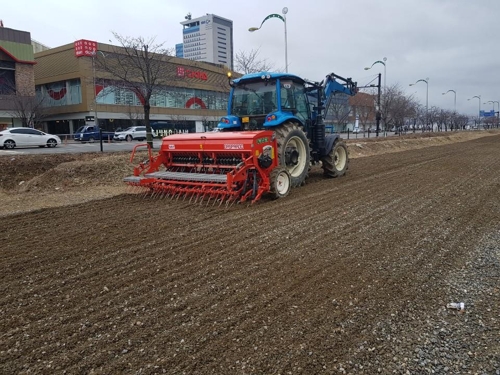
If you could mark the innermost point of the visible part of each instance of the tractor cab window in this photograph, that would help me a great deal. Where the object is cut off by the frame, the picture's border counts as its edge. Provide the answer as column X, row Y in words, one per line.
column 293, row 98
column 256, row 98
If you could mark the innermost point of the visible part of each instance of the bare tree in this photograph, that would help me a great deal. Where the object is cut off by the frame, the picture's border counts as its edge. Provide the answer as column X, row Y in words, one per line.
column 250, row 62
column 135, row 115
column 30, row 109
column 461, row 121
column 338, row 111
column 397, row 107
column 443, row 120
column 433, row 116
column 363, row 106
column 209, row 122
column 179, row 123
column 140, row 65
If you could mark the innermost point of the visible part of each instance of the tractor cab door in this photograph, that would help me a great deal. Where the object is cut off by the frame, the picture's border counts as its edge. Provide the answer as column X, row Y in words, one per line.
column 293, row 98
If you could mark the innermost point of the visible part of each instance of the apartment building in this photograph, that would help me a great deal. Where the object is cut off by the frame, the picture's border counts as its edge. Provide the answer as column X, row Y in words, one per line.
column 208, row 38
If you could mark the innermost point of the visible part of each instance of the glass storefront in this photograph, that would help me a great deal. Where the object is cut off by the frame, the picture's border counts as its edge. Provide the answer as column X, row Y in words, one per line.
column 166, row 97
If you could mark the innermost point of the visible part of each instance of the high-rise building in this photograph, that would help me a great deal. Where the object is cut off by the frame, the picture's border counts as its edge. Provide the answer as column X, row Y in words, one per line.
column 208, row 38
column 179, row 50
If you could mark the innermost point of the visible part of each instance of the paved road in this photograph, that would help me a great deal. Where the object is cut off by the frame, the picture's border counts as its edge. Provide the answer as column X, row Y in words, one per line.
column 73, row 147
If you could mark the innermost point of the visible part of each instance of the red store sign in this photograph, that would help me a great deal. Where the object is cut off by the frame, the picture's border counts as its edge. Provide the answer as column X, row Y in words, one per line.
column 85, row 48
column 183, row 72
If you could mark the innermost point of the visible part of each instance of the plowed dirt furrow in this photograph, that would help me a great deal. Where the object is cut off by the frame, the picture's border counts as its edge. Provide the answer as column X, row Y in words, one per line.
column 365, row 304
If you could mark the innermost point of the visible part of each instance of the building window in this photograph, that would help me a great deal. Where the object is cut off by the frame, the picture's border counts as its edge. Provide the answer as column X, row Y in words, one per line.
column 7, row 82
column 61, row 93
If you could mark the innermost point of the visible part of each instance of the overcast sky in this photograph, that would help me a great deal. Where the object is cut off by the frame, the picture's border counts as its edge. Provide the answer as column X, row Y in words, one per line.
column 454, row 43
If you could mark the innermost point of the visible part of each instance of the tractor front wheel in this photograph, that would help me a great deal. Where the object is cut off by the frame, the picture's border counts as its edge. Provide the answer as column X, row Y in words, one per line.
column 280, row 180
column 336, row 163
column 293, row 152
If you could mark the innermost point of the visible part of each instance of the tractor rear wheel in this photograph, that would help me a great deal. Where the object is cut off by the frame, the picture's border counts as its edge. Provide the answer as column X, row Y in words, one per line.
column 280, row 180
column 336, row 163
column 293, row 151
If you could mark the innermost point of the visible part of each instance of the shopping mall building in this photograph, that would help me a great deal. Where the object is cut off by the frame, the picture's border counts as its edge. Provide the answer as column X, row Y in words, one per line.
column 77, row 90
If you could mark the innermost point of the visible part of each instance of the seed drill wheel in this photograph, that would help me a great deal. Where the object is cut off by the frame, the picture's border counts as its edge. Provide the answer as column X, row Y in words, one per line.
column 280, row 182
column 293, row 151
column 336, row 163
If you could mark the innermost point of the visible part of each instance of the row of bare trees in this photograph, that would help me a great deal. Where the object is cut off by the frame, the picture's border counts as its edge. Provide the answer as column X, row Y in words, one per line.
column 404, row 112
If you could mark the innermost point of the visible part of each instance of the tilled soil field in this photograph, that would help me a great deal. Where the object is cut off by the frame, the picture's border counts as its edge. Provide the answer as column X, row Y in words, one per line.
column 344, row 276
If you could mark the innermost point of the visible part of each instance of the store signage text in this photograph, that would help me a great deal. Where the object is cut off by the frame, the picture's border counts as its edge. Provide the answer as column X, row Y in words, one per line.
column 85, row 48
column 183, row 72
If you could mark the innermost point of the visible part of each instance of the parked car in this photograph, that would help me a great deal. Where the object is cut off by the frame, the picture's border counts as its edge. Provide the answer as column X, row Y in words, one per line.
column 92, row 133
column 357, row 130
column 27, row 137
column 133, row 133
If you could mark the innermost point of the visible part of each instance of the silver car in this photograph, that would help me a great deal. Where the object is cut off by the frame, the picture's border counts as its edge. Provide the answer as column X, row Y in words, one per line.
column 27, row 137
column 133, row 133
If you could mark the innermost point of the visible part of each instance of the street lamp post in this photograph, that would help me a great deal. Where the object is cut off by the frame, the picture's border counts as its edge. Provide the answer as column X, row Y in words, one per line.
column 426, row 99
column 385, row 73
column 498, row 112
column 96, row 121
column 493, row 104
column 453, row 91
column 479, row 113
column 283, row 18
column 94, row 55
column 379, row 113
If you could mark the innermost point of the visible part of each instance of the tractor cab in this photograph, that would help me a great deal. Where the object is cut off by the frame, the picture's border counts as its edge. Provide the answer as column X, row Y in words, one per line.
column 264, row 100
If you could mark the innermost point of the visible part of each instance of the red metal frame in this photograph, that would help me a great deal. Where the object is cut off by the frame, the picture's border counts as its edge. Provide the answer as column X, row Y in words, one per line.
column 244, row 181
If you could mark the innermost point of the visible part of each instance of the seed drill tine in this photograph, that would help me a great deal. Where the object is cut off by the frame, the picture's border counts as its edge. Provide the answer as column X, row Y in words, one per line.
column 197, row 197
column 202, row 198
column 190, row 199
column 221, row 200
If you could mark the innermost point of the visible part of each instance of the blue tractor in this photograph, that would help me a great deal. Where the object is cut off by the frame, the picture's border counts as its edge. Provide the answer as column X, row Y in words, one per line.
column 294, row 109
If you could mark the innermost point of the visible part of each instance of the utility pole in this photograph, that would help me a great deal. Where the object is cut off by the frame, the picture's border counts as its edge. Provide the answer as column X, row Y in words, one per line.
column 378, row 115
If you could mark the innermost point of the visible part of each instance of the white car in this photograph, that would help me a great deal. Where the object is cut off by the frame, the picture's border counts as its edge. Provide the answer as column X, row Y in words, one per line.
column 27, row 137
column 134, row 132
